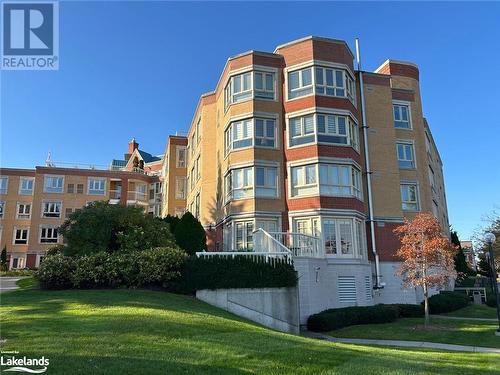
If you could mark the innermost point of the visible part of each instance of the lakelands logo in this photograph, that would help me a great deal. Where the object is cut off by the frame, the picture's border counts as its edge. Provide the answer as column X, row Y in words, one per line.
column 23, row 364
column 30, row 38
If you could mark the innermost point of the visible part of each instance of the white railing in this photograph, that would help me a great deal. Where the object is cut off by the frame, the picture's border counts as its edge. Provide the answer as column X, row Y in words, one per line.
column 136, row 196
column 301, row 245
column 115, row 194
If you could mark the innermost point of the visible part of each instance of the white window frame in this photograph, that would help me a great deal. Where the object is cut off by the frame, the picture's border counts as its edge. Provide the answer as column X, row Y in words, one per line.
column 91, row 184
column 412, row 160
column 4, row 184
column 249, row 184
column 182, row 192
column 399, row 105
column 28, row 180
column 180, row 162
column 301, row 181
column 335, row 85
column 48, row 239
column 268, row 184
column 23, row 215
column 51, row 209
column 247, row 227
column 14, row 236
column 249, row 140
column 2, row 210
column 251, row 93
column 53, row 189
column 307, row 89
column 417, row 197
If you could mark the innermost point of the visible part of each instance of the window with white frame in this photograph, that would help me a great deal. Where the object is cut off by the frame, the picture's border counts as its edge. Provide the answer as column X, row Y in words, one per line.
column 409, row 196
column 401, row 116
column 51, row 209
column 21, row 236
column 323, row 128
column 338, row 237
column 97, row 186
column 330, row 82
column 266, row 182
column 406, row 155
column 23, row 210
column 253, row 84
column 334, row 180
column 300, row 83
column 180, row 156
column 26, row 185
column 2, row 209
column 18, row 262
column 53, row 184
column 240, row 183
column 197, row 206
column 48, row 235
column 243, row 236
column 180, row 188
column 240, row 134
column 4, row 185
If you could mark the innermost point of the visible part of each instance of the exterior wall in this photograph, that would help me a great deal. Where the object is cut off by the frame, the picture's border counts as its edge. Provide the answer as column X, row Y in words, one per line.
column 171, row 171
column 275, row 308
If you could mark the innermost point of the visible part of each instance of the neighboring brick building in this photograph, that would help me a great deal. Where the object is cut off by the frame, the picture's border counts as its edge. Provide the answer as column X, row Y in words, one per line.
column 279, row 145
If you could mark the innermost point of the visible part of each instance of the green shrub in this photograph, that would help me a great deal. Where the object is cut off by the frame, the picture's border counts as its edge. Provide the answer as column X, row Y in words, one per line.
column 445, row 302
column 152, row 267
column 14, row 273
column 332, row 319
column 491, row 301
column 55, row 272
column 238, row 272
column 3, row 259
column 410, row 311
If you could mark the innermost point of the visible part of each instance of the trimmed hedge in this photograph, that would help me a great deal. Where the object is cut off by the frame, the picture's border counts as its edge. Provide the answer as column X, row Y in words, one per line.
column 491, row 301
column 332, row 319
column 238, row 272
column 410, row 311
column 153, row 267
column 446, row 301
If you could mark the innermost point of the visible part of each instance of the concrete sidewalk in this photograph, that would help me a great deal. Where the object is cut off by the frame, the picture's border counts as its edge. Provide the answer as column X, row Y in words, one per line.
column 463, row 318
column 404, row 344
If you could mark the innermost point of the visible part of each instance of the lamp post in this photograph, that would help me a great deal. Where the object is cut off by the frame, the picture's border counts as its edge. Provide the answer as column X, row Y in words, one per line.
column 490, row 238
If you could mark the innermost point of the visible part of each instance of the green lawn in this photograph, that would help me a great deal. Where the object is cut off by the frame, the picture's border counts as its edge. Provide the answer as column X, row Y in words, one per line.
column 147, row 332
column 460, row 332
column 27, row 283
column 475, row 311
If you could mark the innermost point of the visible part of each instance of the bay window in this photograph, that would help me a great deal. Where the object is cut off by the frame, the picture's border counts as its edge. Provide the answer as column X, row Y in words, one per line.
column 253, row 84
column 334, row 180
column 323, row 128
column 260, row 132
column 300, row 83
column 249, row 182
column 329, row 81
column 409, row 196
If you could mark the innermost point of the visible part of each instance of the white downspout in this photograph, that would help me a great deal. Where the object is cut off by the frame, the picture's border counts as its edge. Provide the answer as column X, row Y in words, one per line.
column 368, row 170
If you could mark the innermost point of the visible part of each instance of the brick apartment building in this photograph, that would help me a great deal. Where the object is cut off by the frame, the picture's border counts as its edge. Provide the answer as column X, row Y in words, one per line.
column 298, row 141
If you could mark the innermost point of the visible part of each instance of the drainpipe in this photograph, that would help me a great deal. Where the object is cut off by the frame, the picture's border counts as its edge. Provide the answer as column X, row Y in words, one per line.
column 368, row 171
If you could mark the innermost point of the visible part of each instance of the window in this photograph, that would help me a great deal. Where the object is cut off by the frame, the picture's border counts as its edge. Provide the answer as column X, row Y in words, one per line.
column 26, row 185
column 179, row 211
column 401, row 116
column 244, row 235
column 338, row 237
column 300, row 83
column 79, row 188
column 198, row 131
column 330, row 82
column 198, row 168
column 323, row 128
column 2, row 209
column 48, row 235
column 4, row 184
column 432, row 178
column 53, row 184
column 17, row 263
column 180, row 188
column 242, row 183
column 71, row 188
column 266, row 182
column 255, row 84
column 435, row 209
column 51, row 209
column 242, row 133
column 197, row 206
column 409, row 197
column 68, row 212
column 23, row 210
column 21, row 236
column 406, row 158
column 97, row 186
column 180, row 157
column 334, row 180
column 301, row 130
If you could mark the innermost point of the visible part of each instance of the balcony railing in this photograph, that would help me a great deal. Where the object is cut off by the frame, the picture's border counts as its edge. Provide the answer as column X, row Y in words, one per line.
column 115, row 194
column 137, row 196
column 300, row 245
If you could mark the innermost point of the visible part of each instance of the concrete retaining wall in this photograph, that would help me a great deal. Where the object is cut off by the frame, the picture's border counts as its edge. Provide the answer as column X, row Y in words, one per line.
column 275, row 308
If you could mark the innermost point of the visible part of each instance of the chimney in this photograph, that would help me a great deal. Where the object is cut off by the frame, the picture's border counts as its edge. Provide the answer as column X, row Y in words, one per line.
column 132, row 146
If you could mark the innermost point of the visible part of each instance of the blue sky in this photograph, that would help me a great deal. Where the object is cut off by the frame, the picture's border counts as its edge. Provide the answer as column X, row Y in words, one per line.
column 137, row 69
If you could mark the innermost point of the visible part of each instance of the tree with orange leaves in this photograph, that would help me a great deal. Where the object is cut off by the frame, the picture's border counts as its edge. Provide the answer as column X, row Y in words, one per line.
column 427, row 255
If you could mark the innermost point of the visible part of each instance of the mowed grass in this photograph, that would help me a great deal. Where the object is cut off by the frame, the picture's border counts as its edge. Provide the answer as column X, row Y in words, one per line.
column 442, row 330
column 148, row 332
column 475, row 311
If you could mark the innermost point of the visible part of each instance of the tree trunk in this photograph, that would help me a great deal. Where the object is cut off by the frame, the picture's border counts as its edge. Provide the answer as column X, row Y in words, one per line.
column 426, row 306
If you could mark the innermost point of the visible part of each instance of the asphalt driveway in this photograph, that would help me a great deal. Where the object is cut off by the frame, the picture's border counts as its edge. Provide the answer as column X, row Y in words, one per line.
column 8, row 283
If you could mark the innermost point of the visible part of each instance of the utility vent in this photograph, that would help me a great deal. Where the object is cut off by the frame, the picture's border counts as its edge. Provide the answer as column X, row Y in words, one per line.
column 368, row 288
column 347, row 289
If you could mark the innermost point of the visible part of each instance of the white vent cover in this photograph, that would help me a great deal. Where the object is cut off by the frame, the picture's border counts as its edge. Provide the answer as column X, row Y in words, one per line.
column 347, row 289
column 368, row 288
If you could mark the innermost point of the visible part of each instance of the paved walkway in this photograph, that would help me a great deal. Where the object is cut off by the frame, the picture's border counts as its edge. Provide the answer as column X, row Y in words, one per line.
column 405, row 344
column 9, row 283
column 463, row 318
